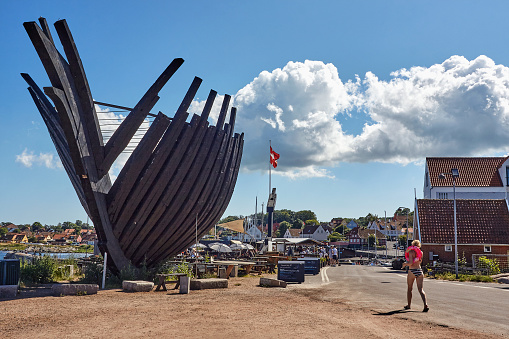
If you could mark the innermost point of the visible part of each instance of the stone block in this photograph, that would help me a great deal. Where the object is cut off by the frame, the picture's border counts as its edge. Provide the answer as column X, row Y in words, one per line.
column 272, row 282
column 503, row 280
column 74, row 289
column 202, row 284
column 235, row 272
column 137, row 286
column 185, row 284
column 8, row 291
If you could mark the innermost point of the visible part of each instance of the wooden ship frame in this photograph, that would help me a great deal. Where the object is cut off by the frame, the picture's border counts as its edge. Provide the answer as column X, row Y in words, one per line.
column 178, row 180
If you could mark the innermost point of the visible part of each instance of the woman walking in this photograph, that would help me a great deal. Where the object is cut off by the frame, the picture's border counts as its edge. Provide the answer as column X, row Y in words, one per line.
column 413, row 256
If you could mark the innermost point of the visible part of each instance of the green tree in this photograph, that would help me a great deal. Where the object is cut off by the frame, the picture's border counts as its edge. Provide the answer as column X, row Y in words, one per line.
column 79, row 223
column 364, row 221
column 305, row 215
column 228, row 219
column 283, row 226
column 32, row 239
column 335, row 236
column 282, row 215
column 372, row 240
column 312, row 222
column 36, row 227
column 3, row 231
column 341, row 229
column 68, row 224
column 297, row 224
column 402, row 211
column 16, row 230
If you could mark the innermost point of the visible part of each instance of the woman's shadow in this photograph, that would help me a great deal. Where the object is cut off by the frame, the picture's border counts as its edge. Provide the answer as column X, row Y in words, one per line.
column 401, row 311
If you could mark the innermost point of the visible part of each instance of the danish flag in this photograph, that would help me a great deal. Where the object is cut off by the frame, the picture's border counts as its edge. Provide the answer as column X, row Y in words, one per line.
column 273, row 158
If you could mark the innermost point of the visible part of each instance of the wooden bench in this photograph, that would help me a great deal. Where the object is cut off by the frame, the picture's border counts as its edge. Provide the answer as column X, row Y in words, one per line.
column 163, row 278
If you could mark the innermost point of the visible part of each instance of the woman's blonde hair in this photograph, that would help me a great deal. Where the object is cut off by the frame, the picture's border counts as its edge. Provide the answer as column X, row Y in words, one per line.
column 416, row 243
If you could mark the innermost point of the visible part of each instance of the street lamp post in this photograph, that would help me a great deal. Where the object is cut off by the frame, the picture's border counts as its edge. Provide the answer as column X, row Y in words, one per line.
column 455, row 174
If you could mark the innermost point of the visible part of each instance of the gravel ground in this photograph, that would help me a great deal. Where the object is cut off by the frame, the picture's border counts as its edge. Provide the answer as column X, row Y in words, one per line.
column 243, row 310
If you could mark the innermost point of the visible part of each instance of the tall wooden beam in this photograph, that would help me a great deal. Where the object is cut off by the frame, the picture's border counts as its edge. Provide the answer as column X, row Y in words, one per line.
column 120, row 139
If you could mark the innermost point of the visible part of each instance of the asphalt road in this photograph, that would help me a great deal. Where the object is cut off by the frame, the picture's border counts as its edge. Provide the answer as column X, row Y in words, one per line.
column 482, row 307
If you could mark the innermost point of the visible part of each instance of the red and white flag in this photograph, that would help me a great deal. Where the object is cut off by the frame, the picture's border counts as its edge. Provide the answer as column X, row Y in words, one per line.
column 273, row 157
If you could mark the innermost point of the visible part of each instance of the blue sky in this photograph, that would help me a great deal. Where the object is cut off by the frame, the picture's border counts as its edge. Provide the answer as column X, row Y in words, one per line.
column 353, row 95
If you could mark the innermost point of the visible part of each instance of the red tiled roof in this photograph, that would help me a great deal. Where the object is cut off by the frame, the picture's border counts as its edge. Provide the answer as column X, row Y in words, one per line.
column 365, row 233
column 474, row 172
column 478, row 221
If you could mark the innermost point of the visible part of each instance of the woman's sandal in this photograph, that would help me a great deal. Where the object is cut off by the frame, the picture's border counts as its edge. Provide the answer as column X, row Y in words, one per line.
column 406, row 307
column 426, row 308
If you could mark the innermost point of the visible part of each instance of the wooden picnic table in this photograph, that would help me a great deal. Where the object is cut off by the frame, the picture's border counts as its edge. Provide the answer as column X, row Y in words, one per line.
column 162, row 280
column 232, row 263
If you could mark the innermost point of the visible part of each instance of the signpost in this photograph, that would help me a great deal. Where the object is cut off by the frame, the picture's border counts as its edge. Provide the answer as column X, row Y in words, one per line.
column 291, row 271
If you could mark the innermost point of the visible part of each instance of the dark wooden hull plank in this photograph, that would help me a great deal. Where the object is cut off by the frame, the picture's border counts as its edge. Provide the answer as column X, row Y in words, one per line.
column 178, row 171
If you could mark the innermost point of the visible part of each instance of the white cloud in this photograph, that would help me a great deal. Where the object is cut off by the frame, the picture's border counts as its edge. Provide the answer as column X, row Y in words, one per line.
column 48, row 160
column 458, row 107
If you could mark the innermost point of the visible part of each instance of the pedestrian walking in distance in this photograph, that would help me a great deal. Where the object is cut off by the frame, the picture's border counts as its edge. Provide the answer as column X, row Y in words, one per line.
column 413, row 256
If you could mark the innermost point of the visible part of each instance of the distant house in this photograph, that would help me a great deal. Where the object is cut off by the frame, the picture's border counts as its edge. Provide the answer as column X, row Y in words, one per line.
column 254, row 233
column 10, row 237
column 482, row 228
column 15, row 238
column 351, row 225
column 479, row 178
column 317, row 232
column 335, row 222
column 88, row 238
column 40, row 238
column 60, row 238
column 293, row 233
column 364, row 234
column 354, row 240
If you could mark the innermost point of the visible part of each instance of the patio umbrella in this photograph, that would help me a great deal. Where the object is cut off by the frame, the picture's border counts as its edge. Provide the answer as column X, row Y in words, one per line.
column 220, row 247
column 199, row 246
column 238, row 247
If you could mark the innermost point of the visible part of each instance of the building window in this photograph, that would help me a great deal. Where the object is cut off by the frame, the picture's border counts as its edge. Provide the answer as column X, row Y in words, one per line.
column 443, row 195
column 448, row 248
column 487, row 249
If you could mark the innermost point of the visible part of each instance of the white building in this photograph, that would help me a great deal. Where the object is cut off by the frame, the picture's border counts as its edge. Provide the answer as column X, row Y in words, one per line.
column 317, row 232
column 479, row 178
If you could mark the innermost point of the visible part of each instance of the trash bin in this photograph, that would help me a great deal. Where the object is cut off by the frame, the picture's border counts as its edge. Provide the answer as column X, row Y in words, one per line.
column 9, row 272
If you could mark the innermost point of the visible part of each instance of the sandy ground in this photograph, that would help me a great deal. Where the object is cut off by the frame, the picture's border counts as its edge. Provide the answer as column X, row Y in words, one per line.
column 244, row 310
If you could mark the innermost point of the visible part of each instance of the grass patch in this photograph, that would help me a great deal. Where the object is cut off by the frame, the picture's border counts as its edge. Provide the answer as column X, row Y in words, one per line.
column 464, row 277
column 12, row 247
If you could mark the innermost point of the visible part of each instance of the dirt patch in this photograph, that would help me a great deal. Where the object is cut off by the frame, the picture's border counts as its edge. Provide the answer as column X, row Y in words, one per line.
column 243, row 310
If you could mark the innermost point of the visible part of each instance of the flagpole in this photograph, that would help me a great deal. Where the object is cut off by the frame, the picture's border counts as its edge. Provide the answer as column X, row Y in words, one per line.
column 270, row 155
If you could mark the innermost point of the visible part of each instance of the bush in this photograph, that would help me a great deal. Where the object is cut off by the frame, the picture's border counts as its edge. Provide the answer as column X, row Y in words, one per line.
column 490, row 264
column 463, row 277
column 40, row 270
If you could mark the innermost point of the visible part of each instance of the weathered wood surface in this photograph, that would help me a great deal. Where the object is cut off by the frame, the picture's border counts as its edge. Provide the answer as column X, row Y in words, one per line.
column 179, row 172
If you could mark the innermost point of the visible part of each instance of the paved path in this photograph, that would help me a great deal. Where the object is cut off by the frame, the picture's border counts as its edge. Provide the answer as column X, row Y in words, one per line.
column 475, row 306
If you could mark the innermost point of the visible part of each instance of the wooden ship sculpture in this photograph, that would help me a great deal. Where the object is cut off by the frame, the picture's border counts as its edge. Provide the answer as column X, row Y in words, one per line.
column 178, row 180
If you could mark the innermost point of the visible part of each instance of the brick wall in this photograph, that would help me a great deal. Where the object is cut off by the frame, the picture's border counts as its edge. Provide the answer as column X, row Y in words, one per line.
column 444, row 256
